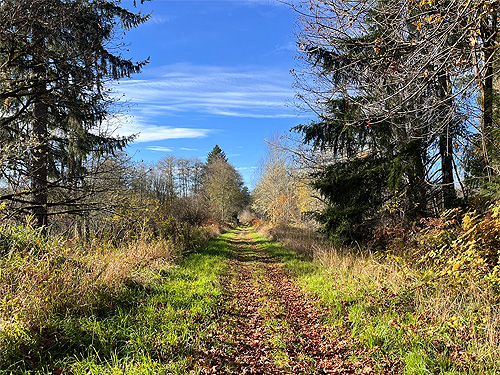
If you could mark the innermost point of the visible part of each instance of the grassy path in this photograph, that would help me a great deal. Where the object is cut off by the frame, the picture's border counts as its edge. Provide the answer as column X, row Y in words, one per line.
column 230, row 308
column 270, row 327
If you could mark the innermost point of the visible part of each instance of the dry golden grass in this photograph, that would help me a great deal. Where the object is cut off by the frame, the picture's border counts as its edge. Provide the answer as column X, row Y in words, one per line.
column 41, row 277
column 71, row 278
column 464, row 320
column 304, row 241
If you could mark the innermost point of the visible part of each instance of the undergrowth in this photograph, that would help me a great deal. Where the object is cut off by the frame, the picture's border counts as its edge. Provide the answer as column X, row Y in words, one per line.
column 140, row 308
column 403, row 317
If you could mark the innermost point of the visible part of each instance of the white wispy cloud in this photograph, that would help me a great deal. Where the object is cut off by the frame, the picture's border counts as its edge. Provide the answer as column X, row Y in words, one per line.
column 188, row 149
column 159, row 148
column 178, row 89
column 126, row 125
column 158, row 19
column 246, row 168
column 289, row 47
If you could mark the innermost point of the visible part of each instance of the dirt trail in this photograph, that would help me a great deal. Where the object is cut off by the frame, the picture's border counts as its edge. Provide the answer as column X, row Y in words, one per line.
column 269, row 327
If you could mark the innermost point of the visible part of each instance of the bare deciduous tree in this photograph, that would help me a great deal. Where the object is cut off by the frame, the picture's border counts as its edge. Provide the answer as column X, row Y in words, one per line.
column 223, row 187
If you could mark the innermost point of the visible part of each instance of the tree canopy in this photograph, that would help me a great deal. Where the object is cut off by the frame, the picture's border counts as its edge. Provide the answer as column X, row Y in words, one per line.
column 56, row 59
column 394, row 87
column 216, row 154
column 223, row 186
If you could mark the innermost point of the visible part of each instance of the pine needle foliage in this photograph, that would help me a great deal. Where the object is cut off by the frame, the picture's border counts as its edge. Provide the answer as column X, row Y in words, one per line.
column 56, row 60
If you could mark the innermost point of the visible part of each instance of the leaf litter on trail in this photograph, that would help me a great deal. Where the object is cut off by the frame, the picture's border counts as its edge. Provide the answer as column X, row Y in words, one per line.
column 268, row 326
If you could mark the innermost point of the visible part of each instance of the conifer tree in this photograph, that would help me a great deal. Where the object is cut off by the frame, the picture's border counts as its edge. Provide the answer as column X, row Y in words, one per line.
column 216, row 154
column 56, row 59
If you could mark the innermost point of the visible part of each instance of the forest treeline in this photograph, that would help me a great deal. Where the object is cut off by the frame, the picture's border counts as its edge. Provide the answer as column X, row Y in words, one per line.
column 404, row 98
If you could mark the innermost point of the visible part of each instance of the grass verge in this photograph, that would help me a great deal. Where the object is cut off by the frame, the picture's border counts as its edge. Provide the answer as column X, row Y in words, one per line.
column 399, row 319
column 156, row 318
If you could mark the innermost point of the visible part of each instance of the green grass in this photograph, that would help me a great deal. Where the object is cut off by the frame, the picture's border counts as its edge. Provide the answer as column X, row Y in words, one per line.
column 377, row 307
column 159, row 326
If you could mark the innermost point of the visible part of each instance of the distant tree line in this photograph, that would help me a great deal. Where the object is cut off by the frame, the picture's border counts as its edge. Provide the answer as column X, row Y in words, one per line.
column 194, row 190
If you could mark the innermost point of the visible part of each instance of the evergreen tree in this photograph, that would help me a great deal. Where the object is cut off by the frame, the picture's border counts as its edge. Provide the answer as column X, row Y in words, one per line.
column 386, row 82
column 56, row 57
column 216, row 154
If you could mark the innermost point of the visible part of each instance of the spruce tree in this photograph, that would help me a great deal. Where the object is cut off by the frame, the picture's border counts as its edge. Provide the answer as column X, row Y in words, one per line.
column 56, row 59
column 216, row 154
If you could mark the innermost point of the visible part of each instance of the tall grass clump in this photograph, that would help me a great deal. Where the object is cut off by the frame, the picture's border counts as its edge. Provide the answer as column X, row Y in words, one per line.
column 20, row 238
column 48, row 280
column 416, row 301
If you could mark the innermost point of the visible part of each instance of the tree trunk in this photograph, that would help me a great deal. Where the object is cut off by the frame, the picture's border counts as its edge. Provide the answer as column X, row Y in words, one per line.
column 489, row 36
column 487, row 112
column 418, row 196
column 39, row 152
column 447, row 180
column 446, row 144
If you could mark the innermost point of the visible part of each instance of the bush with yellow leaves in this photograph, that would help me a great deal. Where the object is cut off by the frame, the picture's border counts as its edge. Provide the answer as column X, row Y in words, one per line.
column 459, row 247
column 475, row 251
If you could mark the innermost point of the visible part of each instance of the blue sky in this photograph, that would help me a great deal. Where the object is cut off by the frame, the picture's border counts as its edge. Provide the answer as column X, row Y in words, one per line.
column 219, row 73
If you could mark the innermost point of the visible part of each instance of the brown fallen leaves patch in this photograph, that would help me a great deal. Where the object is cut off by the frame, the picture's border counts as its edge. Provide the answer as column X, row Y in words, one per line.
column 270, row 327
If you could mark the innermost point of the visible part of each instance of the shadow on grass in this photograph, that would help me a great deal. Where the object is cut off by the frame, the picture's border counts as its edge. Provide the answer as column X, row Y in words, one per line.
column 78, row 335
column 161, row 320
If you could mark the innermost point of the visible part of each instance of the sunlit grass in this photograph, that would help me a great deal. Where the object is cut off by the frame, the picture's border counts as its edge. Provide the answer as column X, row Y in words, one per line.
column 393, row 312
column 137, row 312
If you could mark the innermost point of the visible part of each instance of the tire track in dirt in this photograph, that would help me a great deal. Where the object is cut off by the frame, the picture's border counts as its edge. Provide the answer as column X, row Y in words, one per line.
column 269, row 326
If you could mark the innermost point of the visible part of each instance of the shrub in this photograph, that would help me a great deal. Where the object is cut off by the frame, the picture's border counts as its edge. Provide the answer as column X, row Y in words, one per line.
column 458, row 247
